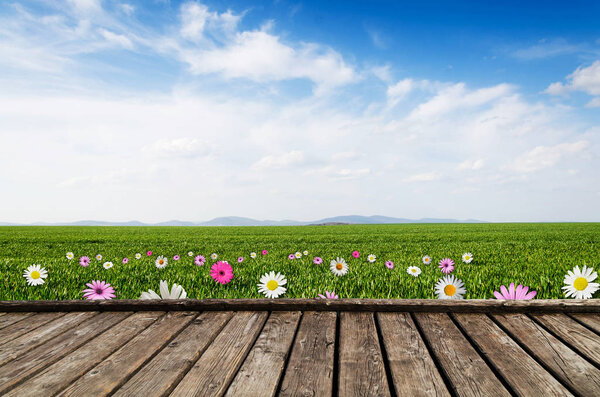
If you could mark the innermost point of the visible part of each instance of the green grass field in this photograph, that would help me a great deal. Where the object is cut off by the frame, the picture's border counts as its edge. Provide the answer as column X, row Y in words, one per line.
column 535, row 255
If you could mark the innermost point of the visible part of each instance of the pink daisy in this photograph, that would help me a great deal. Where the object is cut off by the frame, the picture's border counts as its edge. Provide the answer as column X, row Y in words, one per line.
column 176, row 258
column 149, row 253
column 356, row 254
column 199, row 260
column 328, row 295
column 240, row 259
column 291, row 256
column 519, row 293
column 98, row 290
column 264, row 252
column 84, row 261
column 125, row 260
column 446, row 265
column 318, row 260
column 389, row 264
column 221, row 272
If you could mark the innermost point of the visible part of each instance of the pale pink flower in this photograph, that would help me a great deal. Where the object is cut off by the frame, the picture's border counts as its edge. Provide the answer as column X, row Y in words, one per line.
column 328, row 295
column 519, row 293
column 125, row 260
column 240, row 259
column 291, row 257
column 84, row 261
column 176, row 258
column 199, row 260
column 98, row 290
column 389, row 264
column 318, row 260
column 446, row 265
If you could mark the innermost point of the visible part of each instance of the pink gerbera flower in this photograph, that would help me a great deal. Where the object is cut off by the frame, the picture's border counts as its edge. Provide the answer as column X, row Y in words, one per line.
column 318, row 260
column 99, row 290
column 221, row 272
column 240, row 259
column 125, row 260
column 264, row 252
column 291, row 256
column 519, row 293
column 149, row 253
column 176, row 258
column 328, row 295
column 446, row 265
column 356, row 254
column 84, row 261
column 389, row 264
column 199, row 260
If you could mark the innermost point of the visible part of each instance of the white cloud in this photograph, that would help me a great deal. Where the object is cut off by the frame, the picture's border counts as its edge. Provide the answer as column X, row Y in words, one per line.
column 117, row 39
column 471, row 165
column 586, row 79
column 594, row 103
column 178, row 147
column 195, row 18
column 400, row 89
column 127, row 8
column 547, row 49
column 424, row 177
column 86, row 6
column 279, row 161
column 542, row 157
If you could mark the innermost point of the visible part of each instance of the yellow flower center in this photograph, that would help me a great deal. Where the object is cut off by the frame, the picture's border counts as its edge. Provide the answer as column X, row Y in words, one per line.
column 35, row 274
column 272, row 285
column 339, row 266
column 450, row 290
column 413, row 270
column 580, row 283
column 160, row 262
column 467, row 257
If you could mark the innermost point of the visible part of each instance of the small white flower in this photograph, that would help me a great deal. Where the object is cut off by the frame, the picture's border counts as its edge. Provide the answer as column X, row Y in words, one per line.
column 579, row 283
column 413, row 271
column 305, row 253
column 213, row 256
column 161, row 262
column 190, row 253
column 449, row 288
column 298, row 255
column 98, row 257
column 339, row 267
column 467, row 257
column 177, row 292
column 70, row 255
column 107, row 265
column 35, row 275
column 138, row 256
column 271, row 285
column 253, row 255
column 426, row 260
column 371, row 258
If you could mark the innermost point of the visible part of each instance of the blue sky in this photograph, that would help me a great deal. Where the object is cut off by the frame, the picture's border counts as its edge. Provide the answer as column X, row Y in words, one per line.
column 119, row 110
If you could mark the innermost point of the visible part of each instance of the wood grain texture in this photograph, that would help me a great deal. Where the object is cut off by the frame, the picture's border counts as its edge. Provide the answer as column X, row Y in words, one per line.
column 565, row 364
column 164, row 371
column 213, row 372
column 11, row 318
column 28, row 324
column 586, row 342
column 263, row 368
column 65, row 371
column 361, row 366
column 413, row 370
column 524, row 375
column 26, row 342
column 590, row 319
column 466, row 370
column 310, row 368
column 107, row 376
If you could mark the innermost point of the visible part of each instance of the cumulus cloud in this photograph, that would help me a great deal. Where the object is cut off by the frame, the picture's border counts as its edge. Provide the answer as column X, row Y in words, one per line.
column 279, row 161
column 542, row 157
column 585, row 79
column 471, row 165
column 178, row 147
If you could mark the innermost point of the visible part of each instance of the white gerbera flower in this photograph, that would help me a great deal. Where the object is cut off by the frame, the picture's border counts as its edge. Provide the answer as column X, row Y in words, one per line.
column 305, row 253
column 371, row 258
column 161, row 262
column 98, row 257
column 107, row 265
column 35, row 275
column 190, row 253
column 213, row 256
column 70, row 255
column 426, row 260
column 253, row 255
column 138, row 256
column 450, row 288
column 177, row 292
column 467, row 257
column 413, row 271
column 271, row 285
column 579, row 283
column 298, row 254
column 339, row 267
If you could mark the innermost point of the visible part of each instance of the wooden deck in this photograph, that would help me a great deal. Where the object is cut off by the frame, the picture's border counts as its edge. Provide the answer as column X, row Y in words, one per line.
column 300, row 347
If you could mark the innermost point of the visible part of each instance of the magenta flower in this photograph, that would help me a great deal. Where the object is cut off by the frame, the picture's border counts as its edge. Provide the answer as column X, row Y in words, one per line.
column 446, row 265
column 125, row 260
column 291, row 256
column 328, row 295
column 519, row 293
column 389, row 264
column 199, row 260
column 99, row 290
column 318, row 260
column 240, row 259
column 84, row 261
column 265, row 252
column 221, row 272
column 176, row 258
column 149, row 253
column 356, row 254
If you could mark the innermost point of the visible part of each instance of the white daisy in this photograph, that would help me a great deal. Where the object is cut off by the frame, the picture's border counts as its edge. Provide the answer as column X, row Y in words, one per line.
column 253, row 255
column 371, row 258
column 305, row 253
column 161, row 262
column 213, row 256
column 271, row 285
column 426, row 260
column 413, row 271
column 177, row 292
column 298, row 254
column 35, row 275
column 98, row 257
column 450, row 288
column 190, row 253
column 70, row 255
column 339, row 267
column 108, row 265
column 138, row 256
column 467, row 257
column 579, row 283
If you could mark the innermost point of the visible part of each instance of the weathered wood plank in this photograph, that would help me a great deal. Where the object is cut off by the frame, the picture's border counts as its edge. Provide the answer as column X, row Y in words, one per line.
column 54, row 349
column 467, row 372
column 524, row 375
column 582, row 339
column 361, row 367
column 11, row 318
column 24, row 343
column 310, row 368
column 65, row 371
column 28, row 324
column 413, row 370
column 107, row 376
column 378, row 305
column 213, row 372
column 262, row 369
column 565, row 364
column 165, row 370
column 590, row 319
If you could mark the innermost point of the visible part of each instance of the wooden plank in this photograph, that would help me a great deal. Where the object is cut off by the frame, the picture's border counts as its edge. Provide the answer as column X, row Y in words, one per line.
column 28, row 324
column 24, row 343
column 565, row 364
column 310, row 368
column 42, row 356
column 215, row 369
column 107, row 376
column 467, row 372
column 65, row 371
column 584, row 341
column 590, row 319
column 263, row 368
column 11, row 318
column 377, row 305
column 413, row 370
column 523, row 374
column 361, row 367
column 163, row 372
